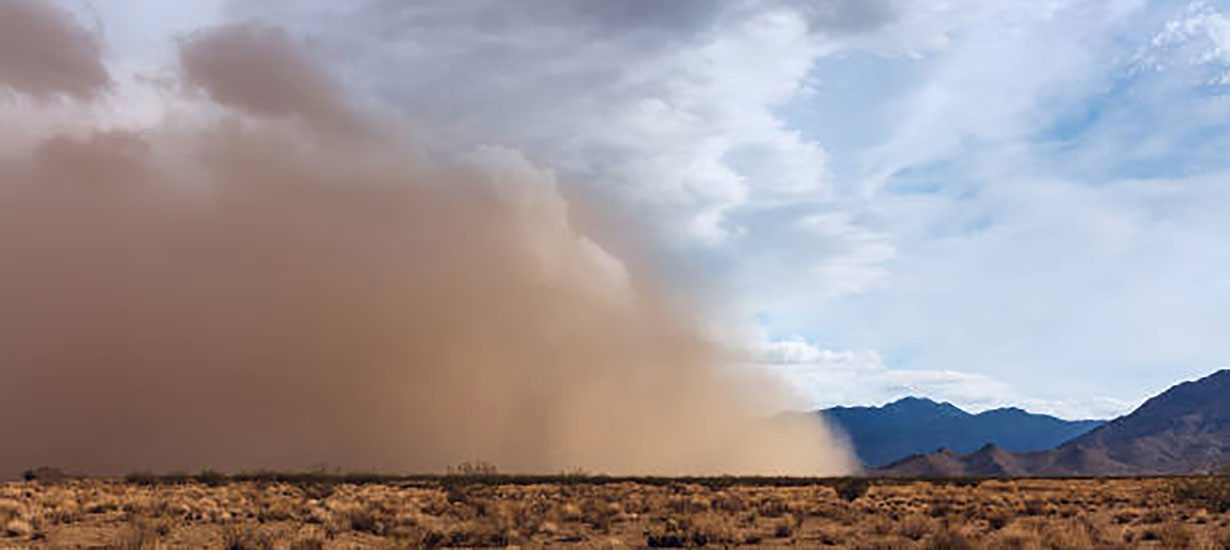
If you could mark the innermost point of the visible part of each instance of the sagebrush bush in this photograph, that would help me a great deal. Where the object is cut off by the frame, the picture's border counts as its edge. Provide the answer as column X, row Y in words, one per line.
column 948, row 539
column 1210, row 492
column 245, row 538
column 307, row 544
column 914, row 526
column 851, row 488
column 45, row 474
column 1174, row 536
column 137, row 536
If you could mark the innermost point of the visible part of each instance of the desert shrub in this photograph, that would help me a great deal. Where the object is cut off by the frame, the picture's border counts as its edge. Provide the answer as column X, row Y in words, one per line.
column 1174, row 536
column 998, row 518
column 141, row 478
column 599, row 513
column 887, row 543
column 1124, row 516
column 948, row 539
column 726, row 502
column 475, row 468
column 245, row 538
column 1066, row 535
column 784, row 527
column 137, row 536
column 307, row 544
column 17, row 527
column 277, row 510
column 419, row 535
column 1014, row 539
column 150, row 478
column 878, row 525
column 914, row 526
column 683, row 533
column 64, row 513
column 657, row 539
column 1034, row 507
column 45, row 474
column 773, row 507
column 1221, row 540
column 321, row 490
column 703, row 528
column 573, row 475
column 9, row 509
column 102, row 506
column 940, row 509
column 851, row 488
column 1153, row 516
column 1210, row 492
column 362, row 518
column 479, row 534
column 212, row 478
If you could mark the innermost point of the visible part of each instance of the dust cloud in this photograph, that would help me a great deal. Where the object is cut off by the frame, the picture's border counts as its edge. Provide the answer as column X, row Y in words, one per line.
column 270, row 279
column 44, row 52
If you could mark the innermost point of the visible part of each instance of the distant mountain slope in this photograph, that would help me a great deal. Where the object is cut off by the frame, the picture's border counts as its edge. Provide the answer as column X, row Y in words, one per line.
column 993, row 461
column 1185, row 429
column 987, row 461
column 913, row 425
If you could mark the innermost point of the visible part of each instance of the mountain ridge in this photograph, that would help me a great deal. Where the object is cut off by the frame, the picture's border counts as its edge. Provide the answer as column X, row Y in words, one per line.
column 1184, row 429
column 913, row 425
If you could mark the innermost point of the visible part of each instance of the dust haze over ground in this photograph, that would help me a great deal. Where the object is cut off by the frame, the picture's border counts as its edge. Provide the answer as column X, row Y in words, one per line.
column 273, row 279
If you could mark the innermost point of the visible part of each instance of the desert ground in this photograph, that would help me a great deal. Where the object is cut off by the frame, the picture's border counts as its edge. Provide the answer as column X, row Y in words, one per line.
column 609, row 513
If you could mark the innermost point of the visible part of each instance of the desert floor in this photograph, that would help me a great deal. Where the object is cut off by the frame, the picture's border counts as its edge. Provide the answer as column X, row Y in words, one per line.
column 991, row 514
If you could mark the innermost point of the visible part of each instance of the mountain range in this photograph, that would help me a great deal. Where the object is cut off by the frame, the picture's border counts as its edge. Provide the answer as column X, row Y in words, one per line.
column 882, row 435
column 1183, row 430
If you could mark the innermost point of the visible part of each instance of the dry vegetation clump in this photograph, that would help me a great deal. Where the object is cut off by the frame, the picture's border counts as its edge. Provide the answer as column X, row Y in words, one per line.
column 1014, row 538
column 1174, row 535
column 141, row 534
column 948, row 538
column 246, row 538
column 1209, row 492
column 915, row 526
column 1221, row 541
column 317, row 514
column 307, row 544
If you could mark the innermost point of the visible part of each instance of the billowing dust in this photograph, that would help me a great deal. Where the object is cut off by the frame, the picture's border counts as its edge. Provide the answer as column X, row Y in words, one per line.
column 272, row 277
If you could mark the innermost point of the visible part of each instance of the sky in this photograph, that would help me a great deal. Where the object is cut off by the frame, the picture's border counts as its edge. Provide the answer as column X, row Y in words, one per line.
column 986, row 202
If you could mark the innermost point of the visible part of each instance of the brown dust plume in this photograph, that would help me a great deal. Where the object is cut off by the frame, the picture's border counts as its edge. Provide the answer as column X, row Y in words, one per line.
column 271, row 279
column 44, row 52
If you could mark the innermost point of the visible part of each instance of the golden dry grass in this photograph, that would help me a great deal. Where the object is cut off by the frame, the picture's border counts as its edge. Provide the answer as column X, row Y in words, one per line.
column 992, row 515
